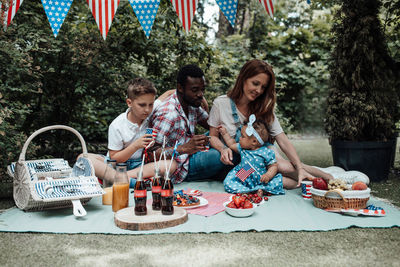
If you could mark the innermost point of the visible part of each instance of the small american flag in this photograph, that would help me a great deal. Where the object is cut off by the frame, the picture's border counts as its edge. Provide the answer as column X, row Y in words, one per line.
column 244, row 172
column 103, row 12
column 7, row 14
column 268, row 6
column 185, row 10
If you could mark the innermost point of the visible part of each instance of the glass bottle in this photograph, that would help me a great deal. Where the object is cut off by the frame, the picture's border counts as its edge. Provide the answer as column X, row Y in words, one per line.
column 108, row 180
column 140, row 196
column 120, row 188
column 167, row 197
column 156, row 191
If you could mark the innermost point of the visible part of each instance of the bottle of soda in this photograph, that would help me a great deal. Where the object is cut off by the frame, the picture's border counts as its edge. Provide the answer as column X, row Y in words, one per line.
column 156, row 191
column 167, row 197
column 120, row 194
column 140, row 196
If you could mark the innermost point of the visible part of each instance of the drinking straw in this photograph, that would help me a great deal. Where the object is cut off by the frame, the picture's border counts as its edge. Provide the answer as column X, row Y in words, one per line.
column 165, row 163
column 173, row 154
column 141, row 168
column 155, row 162
column 162, row 148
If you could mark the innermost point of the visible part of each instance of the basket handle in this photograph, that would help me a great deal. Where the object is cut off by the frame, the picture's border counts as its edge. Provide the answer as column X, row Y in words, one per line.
column 337, row 191
column 48, row 128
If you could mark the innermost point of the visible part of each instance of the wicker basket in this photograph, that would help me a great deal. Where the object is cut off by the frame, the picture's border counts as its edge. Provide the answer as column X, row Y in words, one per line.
column 68, row 186
column 338, row 199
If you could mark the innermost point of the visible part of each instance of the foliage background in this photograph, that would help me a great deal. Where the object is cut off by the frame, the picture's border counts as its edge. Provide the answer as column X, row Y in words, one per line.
column 78, row 78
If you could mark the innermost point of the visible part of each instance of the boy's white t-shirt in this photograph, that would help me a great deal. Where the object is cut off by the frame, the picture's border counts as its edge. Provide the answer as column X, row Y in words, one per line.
column 221, row 114
column 122, row 132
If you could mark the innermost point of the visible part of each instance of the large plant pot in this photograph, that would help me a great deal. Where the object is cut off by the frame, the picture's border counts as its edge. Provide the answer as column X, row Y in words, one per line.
column 372, row 158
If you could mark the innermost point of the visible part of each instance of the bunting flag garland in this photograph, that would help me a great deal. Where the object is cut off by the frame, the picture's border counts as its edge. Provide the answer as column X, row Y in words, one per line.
column 185, row 10
column 229, row 8
column 145, row 11
column 103, row 12
column 268, row 6
column 56, row 11
column 8, row 14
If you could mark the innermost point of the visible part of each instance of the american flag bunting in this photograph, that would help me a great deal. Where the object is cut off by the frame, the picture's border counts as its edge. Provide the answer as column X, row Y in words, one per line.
column 185, row 10
column 268, row 6
column 8, row 14
column 103, row 12
column 229, row 8
column 56, row 11
column 145, row 11
column 245, row 172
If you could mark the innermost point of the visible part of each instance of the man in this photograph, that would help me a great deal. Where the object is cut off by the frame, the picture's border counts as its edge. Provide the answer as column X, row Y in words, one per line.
column 176, row 119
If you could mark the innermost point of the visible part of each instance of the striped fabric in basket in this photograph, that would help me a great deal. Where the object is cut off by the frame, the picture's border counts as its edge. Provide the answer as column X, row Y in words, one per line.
column 38, row 167
column 69, row 188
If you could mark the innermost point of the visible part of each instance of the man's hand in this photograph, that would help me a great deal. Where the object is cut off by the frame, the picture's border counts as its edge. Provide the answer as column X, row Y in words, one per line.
column 195, row 144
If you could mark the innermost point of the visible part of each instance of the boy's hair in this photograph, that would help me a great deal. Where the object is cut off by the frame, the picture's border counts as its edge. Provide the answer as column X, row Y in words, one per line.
column 186, row 71
column 140, row 86
column 262, row 129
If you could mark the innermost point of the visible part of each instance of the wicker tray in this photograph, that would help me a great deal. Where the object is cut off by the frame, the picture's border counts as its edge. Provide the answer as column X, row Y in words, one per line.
column 338, row 199
column 69, row 186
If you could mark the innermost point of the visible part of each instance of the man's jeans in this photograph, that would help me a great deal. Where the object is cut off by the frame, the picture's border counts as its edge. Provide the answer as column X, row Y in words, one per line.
column 206, row 165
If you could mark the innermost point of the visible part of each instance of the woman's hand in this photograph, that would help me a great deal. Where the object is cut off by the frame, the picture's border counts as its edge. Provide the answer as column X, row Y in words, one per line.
column 303, row 174
column 226, row 156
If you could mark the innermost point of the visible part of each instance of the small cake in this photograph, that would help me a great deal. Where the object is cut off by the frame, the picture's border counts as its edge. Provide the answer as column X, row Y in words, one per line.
column 184, row 200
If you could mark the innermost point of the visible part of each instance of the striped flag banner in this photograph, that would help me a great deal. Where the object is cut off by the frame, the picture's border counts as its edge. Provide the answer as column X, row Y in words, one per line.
column 229, row 8
column 56, row 11
column 245, row 172
column 145, row 11
column 8, row 12
column 103, row 12
column 268, row 6
column 185, row 10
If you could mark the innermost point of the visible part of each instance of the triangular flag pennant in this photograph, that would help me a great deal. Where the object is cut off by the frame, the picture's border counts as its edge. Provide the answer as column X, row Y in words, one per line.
column 8, row 13
column 103, row 12
column 229, row 8
column 185, row 10
column 56, row 11
column 145, row 11
column 268, row 6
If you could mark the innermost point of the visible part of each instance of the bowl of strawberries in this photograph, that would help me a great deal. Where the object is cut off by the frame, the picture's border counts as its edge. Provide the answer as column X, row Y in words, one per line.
column 239, row 206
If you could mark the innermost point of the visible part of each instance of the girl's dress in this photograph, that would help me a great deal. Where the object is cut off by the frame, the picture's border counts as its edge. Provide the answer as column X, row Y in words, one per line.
column 259, row 160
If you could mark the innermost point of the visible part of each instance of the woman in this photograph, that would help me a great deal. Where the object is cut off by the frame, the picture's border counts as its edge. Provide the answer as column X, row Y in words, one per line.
column 254, row 93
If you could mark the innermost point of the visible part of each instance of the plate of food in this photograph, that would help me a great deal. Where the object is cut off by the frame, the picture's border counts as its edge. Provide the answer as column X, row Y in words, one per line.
column 186, row 201
column 238, row 210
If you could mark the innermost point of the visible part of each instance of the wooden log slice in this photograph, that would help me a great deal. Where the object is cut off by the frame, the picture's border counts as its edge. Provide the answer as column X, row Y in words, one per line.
column 126, row 219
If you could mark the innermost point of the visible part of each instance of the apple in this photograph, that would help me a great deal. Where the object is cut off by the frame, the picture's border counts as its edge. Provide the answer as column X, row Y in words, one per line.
column 359, row 186
column 319, row 183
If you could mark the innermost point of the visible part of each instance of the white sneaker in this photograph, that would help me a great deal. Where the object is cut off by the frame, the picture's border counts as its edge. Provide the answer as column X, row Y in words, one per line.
column 351, row 176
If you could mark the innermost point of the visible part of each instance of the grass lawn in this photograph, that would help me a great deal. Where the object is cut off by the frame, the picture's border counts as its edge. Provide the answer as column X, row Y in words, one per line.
column 350, row 247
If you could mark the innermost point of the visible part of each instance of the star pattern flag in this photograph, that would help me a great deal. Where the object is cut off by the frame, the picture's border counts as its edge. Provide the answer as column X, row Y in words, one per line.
column 145, row 11
column 245, row 172
column 268, row 6
column 229, row 8
column 8, row 13
column 56, row 11
column 103, row 12
column 185, row 10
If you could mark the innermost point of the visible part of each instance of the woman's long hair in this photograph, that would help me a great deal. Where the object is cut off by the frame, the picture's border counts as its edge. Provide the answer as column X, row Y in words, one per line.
column 263, row 106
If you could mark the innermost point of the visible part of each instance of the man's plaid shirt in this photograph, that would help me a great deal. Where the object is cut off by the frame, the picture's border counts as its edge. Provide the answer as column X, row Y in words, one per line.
column 170, row 121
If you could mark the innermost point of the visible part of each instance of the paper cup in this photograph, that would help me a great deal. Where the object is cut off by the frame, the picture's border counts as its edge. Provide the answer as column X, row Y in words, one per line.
column 306, row 189
column 151, row 131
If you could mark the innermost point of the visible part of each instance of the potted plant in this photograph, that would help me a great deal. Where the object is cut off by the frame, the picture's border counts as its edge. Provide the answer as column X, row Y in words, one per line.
column 363, row 104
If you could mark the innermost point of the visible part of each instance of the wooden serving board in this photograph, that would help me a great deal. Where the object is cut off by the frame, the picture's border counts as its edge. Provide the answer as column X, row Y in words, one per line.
column 126, row 219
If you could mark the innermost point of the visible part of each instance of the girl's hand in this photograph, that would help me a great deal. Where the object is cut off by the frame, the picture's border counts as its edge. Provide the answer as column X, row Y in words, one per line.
column 143, row 141
column 265, row 178
column 222, row 130
column 226, row 156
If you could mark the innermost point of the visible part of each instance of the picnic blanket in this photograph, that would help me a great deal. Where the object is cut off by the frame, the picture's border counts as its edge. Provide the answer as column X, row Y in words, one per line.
column 289, row 212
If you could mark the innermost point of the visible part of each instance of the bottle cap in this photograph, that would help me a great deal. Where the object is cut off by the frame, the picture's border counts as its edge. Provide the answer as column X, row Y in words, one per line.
column 121, row 164
column 111, row 160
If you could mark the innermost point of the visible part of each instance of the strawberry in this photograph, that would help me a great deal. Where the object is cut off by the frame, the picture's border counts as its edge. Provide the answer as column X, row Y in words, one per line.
column 231, row 205
column 242, row 200
column 265, row 198
column 247, row 205
column 237, row 201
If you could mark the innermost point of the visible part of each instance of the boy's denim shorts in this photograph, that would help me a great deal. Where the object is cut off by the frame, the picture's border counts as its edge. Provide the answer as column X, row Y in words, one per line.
column 130, row 163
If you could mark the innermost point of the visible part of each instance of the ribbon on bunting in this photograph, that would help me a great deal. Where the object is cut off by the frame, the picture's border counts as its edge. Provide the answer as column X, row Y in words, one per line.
column 229, row 8
column 145, row 11
column 185, row 10
column 8, row 12
column 268, row 6
column 103, row 12
column 56, row 11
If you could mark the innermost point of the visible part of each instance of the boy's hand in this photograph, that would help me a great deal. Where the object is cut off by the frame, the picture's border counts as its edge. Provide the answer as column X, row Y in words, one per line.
column 144, row 141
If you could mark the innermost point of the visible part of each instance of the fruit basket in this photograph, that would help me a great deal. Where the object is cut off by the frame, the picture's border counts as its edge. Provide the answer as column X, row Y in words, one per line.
column 340, row 199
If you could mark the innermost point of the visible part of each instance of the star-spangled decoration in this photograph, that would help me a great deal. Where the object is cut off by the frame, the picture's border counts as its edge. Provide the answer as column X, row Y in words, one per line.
column 146, row 11
column 56, row 11
column 229, row 8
